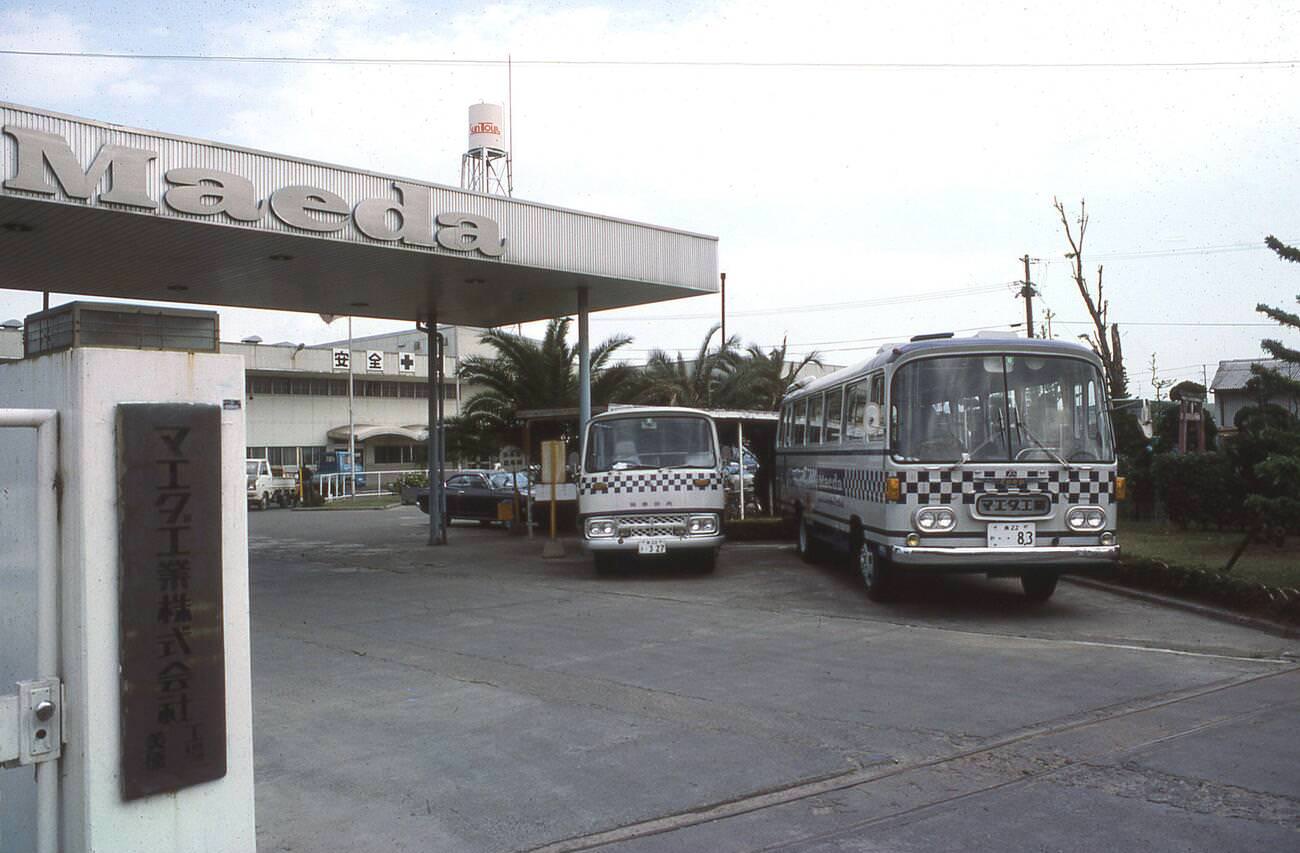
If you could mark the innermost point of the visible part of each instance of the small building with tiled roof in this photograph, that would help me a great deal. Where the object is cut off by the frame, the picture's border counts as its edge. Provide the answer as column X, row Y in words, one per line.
column 1229, row 387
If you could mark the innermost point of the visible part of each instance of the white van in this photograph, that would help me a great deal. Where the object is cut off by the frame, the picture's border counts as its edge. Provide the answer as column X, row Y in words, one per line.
column 650, row 484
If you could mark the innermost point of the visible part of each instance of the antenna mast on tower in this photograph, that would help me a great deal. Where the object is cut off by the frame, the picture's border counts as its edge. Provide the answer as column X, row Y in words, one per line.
column 485, row 165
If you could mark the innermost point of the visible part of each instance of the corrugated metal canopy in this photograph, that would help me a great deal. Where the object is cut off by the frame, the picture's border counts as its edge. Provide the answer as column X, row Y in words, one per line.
column 160, row 245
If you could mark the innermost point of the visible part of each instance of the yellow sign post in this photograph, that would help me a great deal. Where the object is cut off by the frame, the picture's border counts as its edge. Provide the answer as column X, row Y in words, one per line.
column 553, row 476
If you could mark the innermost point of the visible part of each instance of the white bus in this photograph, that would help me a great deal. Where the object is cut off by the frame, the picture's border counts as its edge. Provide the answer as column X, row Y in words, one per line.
column 651, row 484
column 987, row 455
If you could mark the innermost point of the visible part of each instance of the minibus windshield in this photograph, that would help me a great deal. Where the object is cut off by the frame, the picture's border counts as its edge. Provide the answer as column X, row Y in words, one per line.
column 999, row 408
column 643, row 442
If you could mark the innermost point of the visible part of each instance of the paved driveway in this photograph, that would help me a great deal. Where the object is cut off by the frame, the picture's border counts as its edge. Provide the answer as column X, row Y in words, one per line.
column 478, row 698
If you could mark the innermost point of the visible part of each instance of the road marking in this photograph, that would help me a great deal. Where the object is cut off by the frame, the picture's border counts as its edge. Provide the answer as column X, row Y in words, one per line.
column 806, row 789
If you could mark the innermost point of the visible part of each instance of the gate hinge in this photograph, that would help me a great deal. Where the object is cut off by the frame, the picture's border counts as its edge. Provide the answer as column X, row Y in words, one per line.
column 31, row 723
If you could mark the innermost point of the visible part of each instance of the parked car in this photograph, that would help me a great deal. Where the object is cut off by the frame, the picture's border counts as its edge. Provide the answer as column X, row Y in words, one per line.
column 478, row 494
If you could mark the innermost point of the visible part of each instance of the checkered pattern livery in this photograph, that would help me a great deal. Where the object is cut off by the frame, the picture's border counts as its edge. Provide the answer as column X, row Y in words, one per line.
column 963, row 486
column 865, row 485
column 648, row 482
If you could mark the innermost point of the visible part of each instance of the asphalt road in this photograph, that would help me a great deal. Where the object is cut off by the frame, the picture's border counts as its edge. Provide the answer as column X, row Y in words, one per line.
column 478, row 698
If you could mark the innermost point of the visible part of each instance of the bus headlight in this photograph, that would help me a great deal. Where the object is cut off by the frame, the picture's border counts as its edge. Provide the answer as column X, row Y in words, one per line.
column 938, row 519
column 702, row 525
column 600, row 528
column 1086, row 518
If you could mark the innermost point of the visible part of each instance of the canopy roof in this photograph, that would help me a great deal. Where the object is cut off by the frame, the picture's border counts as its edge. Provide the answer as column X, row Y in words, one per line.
column 92, row 208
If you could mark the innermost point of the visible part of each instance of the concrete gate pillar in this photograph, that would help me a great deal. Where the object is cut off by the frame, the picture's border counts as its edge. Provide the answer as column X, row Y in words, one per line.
column 86, row 387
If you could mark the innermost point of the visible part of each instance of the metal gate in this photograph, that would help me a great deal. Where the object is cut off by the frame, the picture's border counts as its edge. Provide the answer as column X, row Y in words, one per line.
column 31, row 717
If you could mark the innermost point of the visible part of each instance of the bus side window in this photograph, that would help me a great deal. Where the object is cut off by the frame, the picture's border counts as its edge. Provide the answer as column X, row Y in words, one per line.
column 834, row 407
column 815, row 420
column 800, row 410
column 855, row 412
column 876, row 430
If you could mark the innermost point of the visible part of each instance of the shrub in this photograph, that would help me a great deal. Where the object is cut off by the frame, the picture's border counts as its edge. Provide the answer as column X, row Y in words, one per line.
column 1199, row 488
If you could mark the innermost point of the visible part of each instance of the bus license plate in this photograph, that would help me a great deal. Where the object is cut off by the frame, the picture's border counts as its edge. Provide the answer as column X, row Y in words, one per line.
column 652, row 546
column 1020, row 535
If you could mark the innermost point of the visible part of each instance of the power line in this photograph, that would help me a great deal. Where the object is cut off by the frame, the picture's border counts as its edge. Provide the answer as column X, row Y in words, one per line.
column 1227, row 64
column 928, row 296
column 1162, row 323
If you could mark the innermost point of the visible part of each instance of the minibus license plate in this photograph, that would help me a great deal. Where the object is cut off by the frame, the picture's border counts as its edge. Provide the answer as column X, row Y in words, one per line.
column 652, row 546
column 1020, row 535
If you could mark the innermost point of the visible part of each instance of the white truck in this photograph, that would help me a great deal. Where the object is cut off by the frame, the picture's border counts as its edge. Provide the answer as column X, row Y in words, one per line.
column 264, row 488
column 651, row 484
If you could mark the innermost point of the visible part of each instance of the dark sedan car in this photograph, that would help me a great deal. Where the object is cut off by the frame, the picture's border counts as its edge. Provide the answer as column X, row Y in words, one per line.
column 478, row 494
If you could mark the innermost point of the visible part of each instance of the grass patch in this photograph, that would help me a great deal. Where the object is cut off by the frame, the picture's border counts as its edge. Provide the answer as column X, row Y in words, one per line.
column 1210, row 550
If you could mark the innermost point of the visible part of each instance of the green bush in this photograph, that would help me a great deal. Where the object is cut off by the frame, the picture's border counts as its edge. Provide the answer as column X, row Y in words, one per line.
column 1199, row 488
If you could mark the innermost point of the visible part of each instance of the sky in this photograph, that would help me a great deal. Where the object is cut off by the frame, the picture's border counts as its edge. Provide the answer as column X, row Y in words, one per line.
column 872, row 170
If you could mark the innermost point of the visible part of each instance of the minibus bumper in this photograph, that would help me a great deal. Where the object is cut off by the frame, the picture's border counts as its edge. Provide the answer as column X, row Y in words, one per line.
column 1062, row 556
column 629, row 545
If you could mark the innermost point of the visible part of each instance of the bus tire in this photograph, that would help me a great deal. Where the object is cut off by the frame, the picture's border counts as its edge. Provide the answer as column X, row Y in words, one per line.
column 605, row 564
column 877, row 573
column 806, row 544
column 1038, row 586
column 706, row 562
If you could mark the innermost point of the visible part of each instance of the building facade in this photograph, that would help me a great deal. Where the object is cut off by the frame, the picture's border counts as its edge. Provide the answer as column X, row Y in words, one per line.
column 296, row 398
column 1231, row 395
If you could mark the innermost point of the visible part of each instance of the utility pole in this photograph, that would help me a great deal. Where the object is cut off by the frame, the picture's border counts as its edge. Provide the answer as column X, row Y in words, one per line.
column 1048, row 316
column 724, row 309
column 1028, row 292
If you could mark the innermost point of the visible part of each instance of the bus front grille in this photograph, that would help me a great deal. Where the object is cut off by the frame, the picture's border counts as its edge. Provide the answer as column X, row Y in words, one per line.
column 652, row 525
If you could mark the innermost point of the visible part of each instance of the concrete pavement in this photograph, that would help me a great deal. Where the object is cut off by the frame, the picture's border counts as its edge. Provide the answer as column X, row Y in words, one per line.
column 476, row 697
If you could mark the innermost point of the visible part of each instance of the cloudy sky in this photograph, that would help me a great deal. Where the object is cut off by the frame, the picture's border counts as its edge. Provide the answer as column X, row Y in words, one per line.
column 873, row 170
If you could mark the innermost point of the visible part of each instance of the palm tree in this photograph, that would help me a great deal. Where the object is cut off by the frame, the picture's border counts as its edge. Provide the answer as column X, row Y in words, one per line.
column 703, row 381
column 526, row 374
column 765, row 377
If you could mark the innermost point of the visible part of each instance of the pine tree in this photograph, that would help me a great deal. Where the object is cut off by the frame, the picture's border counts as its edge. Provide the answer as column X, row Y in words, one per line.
column 1276, row 498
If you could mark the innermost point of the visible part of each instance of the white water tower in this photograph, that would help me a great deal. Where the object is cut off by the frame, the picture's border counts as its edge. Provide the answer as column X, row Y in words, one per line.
column 485, row 165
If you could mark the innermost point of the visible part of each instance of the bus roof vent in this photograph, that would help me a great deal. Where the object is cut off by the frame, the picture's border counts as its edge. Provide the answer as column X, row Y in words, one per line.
column 933, row 336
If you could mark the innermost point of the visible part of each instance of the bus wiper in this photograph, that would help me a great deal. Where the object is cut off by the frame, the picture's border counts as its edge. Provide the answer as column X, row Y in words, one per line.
column 1022, row 429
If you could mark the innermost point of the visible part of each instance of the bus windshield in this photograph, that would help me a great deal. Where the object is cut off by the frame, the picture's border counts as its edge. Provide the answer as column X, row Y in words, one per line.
column 621, row 444
column 999, row 408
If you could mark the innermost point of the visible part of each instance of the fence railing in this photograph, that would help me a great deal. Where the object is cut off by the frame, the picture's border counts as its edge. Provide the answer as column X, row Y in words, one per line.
column 358, row 484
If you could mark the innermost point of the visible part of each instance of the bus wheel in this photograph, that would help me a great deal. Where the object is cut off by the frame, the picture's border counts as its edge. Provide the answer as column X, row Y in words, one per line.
column 876, row 574
column 1038, row 587
column 605, row 563
column 706, row 562
column 805, row 544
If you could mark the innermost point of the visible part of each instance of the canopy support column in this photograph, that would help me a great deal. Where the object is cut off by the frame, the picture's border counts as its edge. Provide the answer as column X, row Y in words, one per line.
column 584, row 364
column 437, row 527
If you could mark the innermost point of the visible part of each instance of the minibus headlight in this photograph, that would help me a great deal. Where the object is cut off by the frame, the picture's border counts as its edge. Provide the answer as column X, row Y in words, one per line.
column 935, row 519
column 600, row 528
column 702, row 525
column 1086, row 518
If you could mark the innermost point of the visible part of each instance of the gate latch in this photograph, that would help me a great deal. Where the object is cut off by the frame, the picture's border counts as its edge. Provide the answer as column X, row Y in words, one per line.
column 31, row 723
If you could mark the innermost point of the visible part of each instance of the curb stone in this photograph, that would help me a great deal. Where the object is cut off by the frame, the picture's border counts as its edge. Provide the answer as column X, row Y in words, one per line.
column 1268, row 626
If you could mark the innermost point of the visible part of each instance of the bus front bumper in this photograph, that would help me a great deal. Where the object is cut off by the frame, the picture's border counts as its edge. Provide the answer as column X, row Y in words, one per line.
column 1062, row 556
column 672, row 544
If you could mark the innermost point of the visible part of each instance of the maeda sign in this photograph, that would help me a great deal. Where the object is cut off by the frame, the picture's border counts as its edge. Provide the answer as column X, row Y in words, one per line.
column 120, row 175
